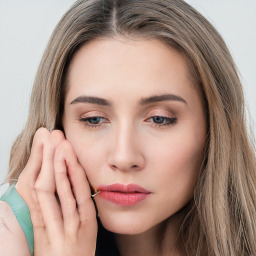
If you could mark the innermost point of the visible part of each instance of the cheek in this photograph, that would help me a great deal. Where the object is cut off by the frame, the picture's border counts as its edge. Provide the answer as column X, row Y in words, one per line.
column 181, row 146
column 175, row 163
column 89, row 151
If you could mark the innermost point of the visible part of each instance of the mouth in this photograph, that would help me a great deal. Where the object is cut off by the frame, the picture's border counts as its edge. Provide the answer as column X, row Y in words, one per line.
column 124, row 195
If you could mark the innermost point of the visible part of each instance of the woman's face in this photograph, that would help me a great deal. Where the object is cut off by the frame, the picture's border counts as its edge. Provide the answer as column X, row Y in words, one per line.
column 134, row 116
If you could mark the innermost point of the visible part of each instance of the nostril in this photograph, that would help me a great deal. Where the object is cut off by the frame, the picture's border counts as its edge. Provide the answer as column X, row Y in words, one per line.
column 125, row 164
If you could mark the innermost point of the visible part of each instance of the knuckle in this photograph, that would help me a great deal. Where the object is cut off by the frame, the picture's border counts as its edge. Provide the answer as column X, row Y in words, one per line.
column 42, row 131
column 40, row 135
column 23, row 184
column 70, row 203
column 41, row 188
column 38, row 185
column 63, row 148
column 57, row 136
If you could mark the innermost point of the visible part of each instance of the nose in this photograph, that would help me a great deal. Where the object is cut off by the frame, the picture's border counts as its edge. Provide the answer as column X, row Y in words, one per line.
column 126, row 151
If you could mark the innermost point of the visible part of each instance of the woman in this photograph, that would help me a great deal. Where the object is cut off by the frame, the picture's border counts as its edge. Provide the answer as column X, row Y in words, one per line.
column 143, row 109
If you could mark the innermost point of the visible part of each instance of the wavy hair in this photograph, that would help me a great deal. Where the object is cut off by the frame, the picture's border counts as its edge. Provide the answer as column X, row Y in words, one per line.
column 221, row 217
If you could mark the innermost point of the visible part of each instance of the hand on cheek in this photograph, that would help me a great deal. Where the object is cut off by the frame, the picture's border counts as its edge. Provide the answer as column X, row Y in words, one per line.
column 66, row 226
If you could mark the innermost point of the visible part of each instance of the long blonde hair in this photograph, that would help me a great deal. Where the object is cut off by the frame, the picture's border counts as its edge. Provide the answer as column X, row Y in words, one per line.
column 221, row 217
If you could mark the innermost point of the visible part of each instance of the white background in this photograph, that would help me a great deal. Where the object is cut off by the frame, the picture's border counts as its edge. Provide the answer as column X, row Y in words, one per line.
column 26, row 25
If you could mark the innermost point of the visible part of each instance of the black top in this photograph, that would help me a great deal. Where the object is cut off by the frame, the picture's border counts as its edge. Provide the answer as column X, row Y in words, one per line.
column 106, row 245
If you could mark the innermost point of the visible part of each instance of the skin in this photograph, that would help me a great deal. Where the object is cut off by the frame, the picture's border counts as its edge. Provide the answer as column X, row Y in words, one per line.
column 61, row 227
column 127, row 146
column 11, row 233
column 129, row 143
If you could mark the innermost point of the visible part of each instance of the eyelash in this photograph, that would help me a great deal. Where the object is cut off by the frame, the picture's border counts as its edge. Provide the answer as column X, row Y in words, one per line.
column 168, row 121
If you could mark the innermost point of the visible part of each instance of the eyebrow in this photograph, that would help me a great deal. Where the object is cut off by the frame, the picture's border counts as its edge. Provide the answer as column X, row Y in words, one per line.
column 164, row 97
column 92, row 100
column 143, row 101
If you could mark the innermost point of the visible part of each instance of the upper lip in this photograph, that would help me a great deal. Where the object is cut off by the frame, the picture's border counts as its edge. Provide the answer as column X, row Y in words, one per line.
column 118, row 187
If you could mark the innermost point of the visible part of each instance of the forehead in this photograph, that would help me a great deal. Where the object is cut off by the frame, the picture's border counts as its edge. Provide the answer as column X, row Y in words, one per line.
column 108, row 65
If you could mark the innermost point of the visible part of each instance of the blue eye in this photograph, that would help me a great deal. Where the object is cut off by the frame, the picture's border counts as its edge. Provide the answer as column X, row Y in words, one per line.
column 93, row 121
column 162, row 120
column 158, row 119
column 97, row 121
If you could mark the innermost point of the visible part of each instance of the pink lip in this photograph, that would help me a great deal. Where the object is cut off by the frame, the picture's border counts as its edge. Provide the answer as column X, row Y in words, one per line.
column 124, row 195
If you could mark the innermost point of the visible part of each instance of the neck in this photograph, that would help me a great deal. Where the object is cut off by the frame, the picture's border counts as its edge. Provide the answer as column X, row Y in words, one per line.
column 162, row 239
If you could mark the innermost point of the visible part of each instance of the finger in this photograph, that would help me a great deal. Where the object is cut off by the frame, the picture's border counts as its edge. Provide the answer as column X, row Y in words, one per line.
column 33, row 166
column 29, row 195
column 46, row 176
column 81, row 190
column 45, row 188
column 64, row 190
column 26, row 182
column 85, row 205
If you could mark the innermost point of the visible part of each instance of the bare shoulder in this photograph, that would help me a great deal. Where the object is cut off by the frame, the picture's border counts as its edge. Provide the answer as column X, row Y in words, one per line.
column 12, row 239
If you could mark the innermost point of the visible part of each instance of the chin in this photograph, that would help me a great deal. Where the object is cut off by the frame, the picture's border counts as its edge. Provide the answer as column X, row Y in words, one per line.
column 125, row 224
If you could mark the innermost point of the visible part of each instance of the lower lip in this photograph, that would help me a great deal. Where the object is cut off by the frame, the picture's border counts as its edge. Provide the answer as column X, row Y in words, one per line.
column 123, row 199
